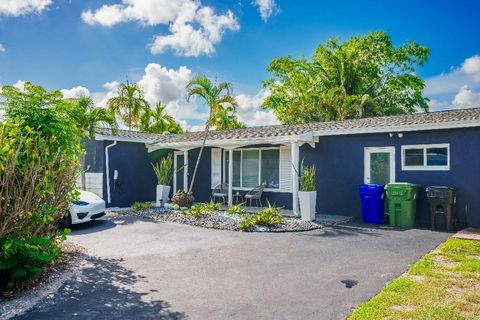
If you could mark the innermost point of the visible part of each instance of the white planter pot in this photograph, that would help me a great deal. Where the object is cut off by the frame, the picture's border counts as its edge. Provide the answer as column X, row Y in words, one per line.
column 162, row 194
column 308, row 203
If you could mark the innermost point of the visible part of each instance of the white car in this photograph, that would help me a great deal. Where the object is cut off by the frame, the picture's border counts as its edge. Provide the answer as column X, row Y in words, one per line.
column 88, row 207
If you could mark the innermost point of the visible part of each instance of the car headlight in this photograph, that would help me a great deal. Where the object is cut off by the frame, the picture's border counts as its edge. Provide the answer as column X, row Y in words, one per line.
column 81, row 203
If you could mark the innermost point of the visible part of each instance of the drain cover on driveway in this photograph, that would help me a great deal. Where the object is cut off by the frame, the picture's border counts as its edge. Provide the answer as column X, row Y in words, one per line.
column 349, row 283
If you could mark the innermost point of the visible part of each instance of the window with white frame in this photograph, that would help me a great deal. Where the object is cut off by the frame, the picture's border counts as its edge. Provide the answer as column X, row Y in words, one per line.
column 252, row 167
column 426, row 157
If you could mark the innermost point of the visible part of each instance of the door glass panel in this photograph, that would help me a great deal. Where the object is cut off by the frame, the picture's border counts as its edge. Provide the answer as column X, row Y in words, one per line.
column 380, row 167
column 250, row 166
column 179, row 172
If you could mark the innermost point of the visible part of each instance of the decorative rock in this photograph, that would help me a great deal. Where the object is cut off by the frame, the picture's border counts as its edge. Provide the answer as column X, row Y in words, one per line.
column 220, row 220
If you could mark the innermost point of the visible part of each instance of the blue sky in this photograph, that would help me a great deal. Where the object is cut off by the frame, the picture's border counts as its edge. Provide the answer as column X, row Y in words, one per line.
column 88, row 46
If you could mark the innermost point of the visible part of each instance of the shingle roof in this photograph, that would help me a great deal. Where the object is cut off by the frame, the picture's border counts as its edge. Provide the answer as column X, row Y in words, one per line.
column 366, row 124
column 128, row 134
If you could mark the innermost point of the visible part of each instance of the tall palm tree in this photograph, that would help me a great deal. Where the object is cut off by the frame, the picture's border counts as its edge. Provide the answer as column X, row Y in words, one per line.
column 215, row 97
column 89, row 117
column 129, row 104
column 159, row 121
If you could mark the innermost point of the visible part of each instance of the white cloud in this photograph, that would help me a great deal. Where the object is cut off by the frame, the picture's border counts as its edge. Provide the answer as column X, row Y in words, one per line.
column 250, row 113
column 466, row 98
column 16, row 8
column 167, row 86
column 451, row 82
column 267, row 8
column 194, row 29
column 19, row 84
column 471, row 66
column 2, row 48
column 75, row 92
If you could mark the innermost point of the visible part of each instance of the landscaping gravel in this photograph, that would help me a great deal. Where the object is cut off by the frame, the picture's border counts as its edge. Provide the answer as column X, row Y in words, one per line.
column 221, row 220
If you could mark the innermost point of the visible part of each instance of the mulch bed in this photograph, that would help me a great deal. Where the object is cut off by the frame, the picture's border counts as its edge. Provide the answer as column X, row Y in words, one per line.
column 219, row 220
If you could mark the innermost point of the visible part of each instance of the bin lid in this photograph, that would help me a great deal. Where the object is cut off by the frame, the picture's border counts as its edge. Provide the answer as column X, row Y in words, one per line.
column 402, row 184
column 439, row 188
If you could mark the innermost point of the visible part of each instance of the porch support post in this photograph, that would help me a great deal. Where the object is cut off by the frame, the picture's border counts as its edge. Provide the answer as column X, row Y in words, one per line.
column 185, row 170
column 230, row 177
column 295, row 173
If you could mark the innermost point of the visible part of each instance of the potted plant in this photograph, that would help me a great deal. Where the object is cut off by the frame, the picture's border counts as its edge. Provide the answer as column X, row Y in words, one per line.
column 307, row 194
column 164, row 173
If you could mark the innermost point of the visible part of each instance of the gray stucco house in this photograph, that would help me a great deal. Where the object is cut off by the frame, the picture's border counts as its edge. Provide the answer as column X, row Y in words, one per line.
column 436, row 148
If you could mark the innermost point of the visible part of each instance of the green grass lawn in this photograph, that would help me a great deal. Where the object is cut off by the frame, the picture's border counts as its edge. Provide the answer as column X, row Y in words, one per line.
column 444, row 284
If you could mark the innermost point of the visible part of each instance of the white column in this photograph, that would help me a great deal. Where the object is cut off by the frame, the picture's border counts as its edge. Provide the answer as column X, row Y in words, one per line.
column 230, row 177
column 295, row 173
column 185, row 170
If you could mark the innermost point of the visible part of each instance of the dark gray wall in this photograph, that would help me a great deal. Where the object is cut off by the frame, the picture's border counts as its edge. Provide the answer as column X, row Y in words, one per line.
column 202, row 184
column 95, row 155
column 136, row 179
column 340, row 170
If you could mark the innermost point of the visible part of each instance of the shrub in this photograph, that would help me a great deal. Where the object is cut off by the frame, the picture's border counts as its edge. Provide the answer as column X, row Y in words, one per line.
column 139, row 206
column 211, row 207
column 40, row 148
column 183, row 199
column 236, row 209
column 196, row 211
column 22, row 259
column 267, row 217
column 307, row 178
column 163, row 170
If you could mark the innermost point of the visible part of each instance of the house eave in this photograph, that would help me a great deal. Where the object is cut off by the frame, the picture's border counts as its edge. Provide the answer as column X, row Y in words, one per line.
column 403, row 128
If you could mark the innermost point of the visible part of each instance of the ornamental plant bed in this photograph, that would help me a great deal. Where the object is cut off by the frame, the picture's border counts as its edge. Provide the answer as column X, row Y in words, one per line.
column 70, row 254
column 222, row 220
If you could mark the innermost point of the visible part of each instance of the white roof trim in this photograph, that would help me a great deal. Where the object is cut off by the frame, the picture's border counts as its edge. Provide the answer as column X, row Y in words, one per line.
column 101, row 137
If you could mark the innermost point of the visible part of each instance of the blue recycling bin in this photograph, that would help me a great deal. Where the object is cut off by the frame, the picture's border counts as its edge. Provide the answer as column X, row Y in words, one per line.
column 373, row 208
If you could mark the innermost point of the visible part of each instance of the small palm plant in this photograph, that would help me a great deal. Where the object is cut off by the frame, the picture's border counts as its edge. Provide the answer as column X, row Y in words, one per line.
column 307, row 178
column 163, row 170
column 164, row 173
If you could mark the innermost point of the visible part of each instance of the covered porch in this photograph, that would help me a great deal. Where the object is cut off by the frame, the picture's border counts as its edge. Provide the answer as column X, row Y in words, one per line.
column 270, row 162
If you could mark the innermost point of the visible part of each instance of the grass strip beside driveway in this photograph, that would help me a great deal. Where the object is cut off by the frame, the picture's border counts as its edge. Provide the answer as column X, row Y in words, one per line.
column 444, row 284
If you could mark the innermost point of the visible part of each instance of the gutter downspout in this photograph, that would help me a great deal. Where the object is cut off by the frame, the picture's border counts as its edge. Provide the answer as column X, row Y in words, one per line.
column 107, row 169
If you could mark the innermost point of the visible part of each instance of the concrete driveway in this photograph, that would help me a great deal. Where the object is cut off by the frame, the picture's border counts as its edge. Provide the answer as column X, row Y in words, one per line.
column 147, row 270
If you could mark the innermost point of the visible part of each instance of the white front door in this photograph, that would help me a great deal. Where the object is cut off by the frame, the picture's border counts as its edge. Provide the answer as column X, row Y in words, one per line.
column 379, row 165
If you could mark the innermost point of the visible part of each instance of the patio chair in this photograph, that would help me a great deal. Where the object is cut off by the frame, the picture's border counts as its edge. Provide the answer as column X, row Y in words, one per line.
column 220, row 191
column 255, row 194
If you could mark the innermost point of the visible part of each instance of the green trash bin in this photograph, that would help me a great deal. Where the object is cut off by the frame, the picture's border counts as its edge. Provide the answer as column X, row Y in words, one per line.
column 402, row 203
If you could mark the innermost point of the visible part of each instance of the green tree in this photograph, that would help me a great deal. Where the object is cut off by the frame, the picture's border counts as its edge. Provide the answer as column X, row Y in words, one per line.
column 362, row 77
column 40, row 144
column 89, row 117
column 216, row 97
column 129, row 104
column 159, row 121
column 226, row 119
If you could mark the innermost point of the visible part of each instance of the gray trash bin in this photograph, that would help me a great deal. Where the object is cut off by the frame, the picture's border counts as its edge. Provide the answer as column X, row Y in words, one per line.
column 442, row 207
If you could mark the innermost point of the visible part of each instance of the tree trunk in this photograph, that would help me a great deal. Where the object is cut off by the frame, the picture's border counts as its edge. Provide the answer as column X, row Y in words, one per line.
column 198, row 158
column 82, row 173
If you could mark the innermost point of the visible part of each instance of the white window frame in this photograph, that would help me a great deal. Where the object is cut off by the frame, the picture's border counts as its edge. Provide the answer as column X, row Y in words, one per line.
column 425, row 167
column 225, row 152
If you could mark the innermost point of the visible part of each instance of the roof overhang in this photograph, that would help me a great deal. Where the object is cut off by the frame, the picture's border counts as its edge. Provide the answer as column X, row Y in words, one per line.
column 403, row 128
column 233, row 143
column 101, row 137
